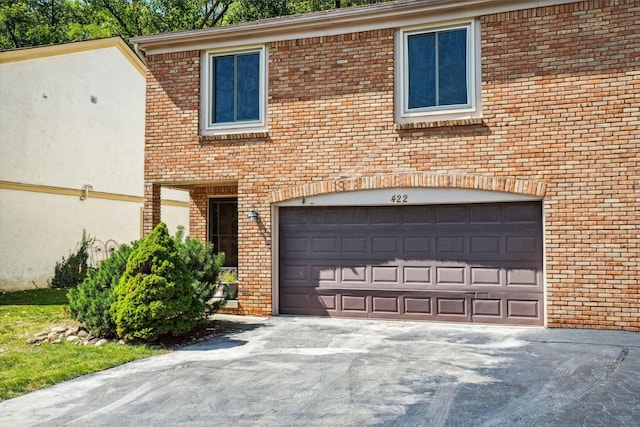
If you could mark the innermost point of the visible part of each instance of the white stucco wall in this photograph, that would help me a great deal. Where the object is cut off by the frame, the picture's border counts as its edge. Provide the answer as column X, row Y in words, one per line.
column 71, row 115
column 37, row 230
column 171, row 214
column 54, row 134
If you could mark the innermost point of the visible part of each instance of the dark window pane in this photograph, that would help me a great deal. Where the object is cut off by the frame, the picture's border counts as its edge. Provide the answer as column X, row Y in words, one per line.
column 223, row 228
column 422, row 73
column 223, row 87
column 229, row 245
column 249, row 86
column 452, row 67
column 228, row 218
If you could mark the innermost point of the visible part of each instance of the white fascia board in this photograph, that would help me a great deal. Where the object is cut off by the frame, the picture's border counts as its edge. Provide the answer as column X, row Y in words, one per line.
column 408, row 196
column 333, row 22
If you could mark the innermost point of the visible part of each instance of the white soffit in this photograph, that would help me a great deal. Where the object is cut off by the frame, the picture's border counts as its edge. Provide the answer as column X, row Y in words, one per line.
column 408, row 196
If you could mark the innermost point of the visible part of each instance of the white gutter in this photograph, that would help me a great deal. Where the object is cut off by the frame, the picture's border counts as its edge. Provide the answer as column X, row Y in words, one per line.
column 375, row 16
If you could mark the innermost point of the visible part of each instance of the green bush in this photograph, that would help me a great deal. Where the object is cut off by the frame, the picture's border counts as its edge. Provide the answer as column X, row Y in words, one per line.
column 154, row 296
column 203, row 264
column 90, row 302
column 70, row 272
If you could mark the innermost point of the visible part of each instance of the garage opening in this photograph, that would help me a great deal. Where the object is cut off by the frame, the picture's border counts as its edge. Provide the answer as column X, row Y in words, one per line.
column 480, row 262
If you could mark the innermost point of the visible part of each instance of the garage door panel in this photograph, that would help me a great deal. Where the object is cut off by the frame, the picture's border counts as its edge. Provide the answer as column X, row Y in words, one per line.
column 295, row 273
column 324, row 274
column 385, row 274
column 523, row 277
column 449, row 307
column 294, row 245
column 451, row 214
column 324, row 245
column 354, row 245
column 355, row 303
column 485, row 214
column 354, row 216
column 487, row 307
column 520, row 308
column 293, row 301
column 451, row 276
column 384, row 216
column 324, row 215
column 417, row 275
column 323, row 302
column 417, row 215
column 354, row 274
column 522, row 213
column 381, row 246
column 485, row 276
column 457, row 262
column 386, row 304
column 418, row 305
column 447, row 246
column 485, row 245
column 522, row 245
column 417, row 245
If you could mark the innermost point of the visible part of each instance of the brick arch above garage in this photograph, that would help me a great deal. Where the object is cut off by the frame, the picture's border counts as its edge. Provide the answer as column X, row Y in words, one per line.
column 535, row 189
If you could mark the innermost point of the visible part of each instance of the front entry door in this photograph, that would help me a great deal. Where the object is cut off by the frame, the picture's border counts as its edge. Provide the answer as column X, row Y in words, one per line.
column 223, row 228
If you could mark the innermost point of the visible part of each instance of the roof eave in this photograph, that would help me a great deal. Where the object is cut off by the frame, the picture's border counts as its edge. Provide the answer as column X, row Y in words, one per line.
column 376, row 13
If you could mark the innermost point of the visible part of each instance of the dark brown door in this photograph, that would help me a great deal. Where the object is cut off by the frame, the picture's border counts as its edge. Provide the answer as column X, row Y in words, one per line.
column 469, row 263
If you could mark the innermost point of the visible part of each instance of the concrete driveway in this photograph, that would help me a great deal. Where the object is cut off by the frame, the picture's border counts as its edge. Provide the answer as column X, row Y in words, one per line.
column 294, row 371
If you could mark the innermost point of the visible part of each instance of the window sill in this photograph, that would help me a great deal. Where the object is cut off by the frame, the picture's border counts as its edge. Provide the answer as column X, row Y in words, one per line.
column 439, row 124
column 233, row 136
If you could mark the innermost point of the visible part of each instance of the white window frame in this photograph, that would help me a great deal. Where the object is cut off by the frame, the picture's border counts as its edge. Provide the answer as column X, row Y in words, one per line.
column 210, row 128
column 445, row 112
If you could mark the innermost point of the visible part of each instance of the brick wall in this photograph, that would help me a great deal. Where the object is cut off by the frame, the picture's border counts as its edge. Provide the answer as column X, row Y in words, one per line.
column 560, row 106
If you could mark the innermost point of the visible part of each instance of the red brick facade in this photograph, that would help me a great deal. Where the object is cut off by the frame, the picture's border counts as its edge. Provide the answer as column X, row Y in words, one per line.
column 560, row 120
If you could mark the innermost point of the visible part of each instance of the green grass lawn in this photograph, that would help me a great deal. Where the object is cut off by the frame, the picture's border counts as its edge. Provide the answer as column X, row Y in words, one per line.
column 25, row 367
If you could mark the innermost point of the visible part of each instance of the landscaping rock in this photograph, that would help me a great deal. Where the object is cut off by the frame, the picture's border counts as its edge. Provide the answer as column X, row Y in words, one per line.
column 58, row 334
column 101, row 342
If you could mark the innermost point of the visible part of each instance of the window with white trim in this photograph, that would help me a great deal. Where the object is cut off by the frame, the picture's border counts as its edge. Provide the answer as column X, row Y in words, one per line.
column 235, row 89
column 438, row 71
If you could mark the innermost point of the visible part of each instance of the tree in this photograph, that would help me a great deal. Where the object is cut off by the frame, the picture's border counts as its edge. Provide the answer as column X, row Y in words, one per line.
column 26, row 23
column 251, row 10
column 144, row 17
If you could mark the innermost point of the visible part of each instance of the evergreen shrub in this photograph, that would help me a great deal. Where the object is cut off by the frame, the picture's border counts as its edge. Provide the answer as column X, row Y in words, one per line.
column 90, row 302
column 71, row 271
column 154, row 295
column 201, row 261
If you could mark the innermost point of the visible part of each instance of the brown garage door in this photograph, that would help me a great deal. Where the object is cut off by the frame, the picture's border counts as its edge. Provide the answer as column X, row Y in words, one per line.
column 468, row 263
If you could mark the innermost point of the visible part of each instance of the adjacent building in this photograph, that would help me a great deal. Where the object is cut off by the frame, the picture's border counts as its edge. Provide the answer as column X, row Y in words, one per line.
column 71, row 155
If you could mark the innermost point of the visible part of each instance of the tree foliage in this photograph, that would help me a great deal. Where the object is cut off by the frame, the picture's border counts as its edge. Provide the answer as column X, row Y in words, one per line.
column 202, row 262
column 71, row 271
column 154, row 295
column 91, row 300
column 25, row 23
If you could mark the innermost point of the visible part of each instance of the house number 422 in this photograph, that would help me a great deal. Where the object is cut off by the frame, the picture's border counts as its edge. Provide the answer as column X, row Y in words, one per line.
column 399, row 198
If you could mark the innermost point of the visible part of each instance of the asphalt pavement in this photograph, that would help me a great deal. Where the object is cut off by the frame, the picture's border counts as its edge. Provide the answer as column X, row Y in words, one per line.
column 305, row 371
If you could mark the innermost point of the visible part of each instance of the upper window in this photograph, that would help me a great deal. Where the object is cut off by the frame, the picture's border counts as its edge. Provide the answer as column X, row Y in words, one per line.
column 235, row 89
column 438, row 70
